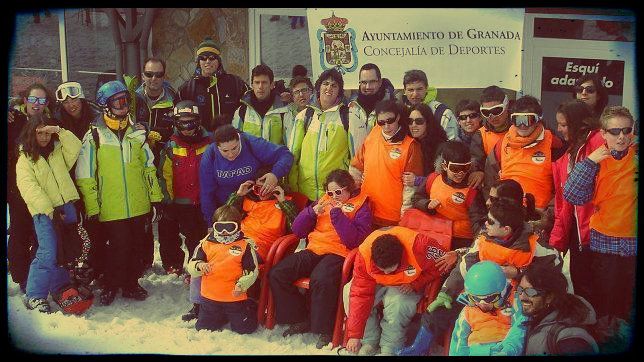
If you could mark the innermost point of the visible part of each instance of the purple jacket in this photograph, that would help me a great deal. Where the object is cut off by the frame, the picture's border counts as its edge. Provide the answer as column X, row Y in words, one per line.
column 351, row 232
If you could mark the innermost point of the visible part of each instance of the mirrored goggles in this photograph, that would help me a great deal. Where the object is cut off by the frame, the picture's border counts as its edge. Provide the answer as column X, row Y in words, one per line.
column 459, row 167
column 69, row 89
column 530, row 292
column 225, row 227
column 34, row 100
column 120, row 102
column 491, row 298
column 524, row 119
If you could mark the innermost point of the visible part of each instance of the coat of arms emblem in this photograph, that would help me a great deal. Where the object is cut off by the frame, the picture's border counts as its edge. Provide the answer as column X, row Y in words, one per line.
column 337, row 46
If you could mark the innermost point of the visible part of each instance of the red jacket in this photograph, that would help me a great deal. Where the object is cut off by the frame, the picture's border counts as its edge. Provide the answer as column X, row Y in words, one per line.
column 363, row 286
column 560, row 235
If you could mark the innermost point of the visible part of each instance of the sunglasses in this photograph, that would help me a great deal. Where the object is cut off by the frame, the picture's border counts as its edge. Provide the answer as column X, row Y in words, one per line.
column 589, row 89
column 71, row 89
column 225, row 227
column 337, row 192
column 120, row 102
column 490, row 221
column 154, row 74
column 493, row 199
column 492, row 298
column 524, row 119
column 617, row 131
column 203, row 58
column 464, row 117
column 530, row 292
column 418, row 121
column 459, row 167
column 34, row 100
column 387, row 121
column 301, row 91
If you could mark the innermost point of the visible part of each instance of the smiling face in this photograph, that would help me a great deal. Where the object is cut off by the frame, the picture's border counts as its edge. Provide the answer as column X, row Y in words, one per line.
column 415, row 92
column 472, row 122
column 369, row 82
column 500, row 120
column 532, row 305
column 73, row 106
column 417, row 130
column 36, row 108
column 153, row 84
column 344, row 193
column 329, row 91
column 621, row 141
column 208, row 63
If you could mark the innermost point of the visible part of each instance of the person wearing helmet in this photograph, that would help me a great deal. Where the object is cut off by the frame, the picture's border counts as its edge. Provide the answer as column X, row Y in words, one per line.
column 492, row 322
column 73, row 110
column 116, row 176
column 179, row 180
column 506, row 239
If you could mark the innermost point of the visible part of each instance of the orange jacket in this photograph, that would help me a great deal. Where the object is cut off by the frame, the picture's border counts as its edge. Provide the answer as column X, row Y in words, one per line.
column 264, row 223
column 454, row 205
column 405, row 275
column 226, row 262
column 324, row 239
column 486, row 327
column 489, row 250
column 615, row 198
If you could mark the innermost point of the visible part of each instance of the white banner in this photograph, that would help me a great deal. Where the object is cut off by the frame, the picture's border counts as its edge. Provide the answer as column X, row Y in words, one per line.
column 456, row 48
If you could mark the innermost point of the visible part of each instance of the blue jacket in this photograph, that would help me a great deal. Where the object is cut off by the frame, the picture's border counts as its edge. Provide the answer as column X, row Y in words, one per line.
column 219, row 177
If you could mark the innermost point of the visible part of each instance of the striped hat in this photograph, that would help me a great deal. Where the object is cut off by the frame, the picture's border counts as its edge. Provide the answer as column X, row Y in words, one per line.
column 208, row 46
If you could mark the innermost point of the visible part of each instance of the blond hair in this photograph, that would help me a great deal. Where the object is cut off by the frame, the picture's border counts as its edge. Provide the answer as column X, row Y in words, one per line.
column 614, row 112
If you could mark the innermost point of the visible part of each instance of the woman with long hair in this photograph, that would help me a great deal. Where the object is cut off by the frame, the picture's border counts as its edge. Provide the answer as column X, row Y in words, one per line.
column 589, row 89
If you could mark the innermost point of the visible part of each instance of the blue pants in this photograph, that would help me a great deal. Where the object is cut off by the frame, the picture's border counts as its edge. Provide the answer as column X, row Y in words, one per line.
column 214, row 315
column 44, row 275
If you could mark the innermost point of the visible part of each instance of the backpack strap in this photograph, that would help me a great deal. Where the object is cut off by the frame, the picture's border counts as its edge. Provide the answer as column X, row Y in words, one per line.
column 440, row 110
column 242, row 115
column 344, row 117
column 97, row 144
column 553, row 336
column 307, row 118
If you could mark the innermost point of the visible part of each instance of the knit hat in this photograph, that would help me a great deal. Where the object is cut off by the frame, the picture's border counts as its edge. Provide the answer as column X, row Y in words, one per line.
column 208, row 46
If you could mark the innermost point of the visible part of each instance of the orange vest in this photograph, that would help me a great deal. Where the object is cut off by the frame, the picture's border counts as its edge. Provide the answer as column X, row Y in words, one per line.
column 408, row 269
column 531, row 167
column 489, row 250
column 264, row 223
column 384, row 164
column 226, row 262
column 324, row 239
column 615, row 199
column 452, row 206
column 490, row 138
column 488, row 327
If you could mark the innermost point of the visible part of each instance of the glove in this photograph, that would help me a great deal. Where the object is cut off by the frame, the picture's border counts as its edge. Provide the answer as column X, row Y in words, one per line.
column 442, row 299
column 420, row 347
column 157, row 212
column 153, row 137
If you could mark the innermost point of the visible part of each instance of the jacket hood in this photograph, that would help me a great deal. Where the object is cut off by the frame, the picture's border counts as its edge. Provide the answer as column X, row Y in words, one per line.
column 553, row 317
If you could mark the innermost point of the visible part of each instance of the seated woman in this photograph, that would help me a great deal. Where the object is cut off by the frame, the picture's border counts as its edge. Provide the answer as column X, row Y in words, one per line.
column 336, row 223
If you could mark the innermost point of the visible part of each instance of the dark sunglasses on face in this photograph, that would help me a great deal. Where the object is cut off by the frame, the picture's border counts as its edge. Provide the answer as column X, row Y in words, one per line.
column 337, row 192
column 486, row 298
column 203, row 58
column 589, row 89
column 459, row 167
column 155, row 74
column 492, row 111
column 524, row 119
column 387, row 121
column 34, row 100
column 489, row 221
column 493, row 199
column 418, row 121
column 463, row 117
column 617, row 131
column 227, row 227
column 530, row 292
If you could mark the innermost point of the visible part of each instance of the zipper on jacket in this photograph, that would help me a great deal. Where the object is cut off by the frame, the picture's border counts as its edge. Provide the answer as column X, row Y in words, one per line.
column 317, row 151
column 54, row 175
column 127, row 204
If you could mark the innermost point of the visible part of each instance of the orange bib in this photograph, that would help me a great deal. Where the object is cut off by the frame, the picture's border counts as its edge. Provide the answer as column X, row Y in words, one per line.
column 490, row 139
column 264, row 223
column 408, row 270
column 487, row 327
column 489, row 250
column 226, row 262
column 453, row 206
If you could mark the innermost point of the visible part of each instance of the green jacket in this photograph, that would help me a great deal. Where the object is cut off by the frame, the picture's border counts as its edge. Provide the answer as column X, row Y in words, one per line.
column 119, row 181
column 270, row 128
column 46, row 184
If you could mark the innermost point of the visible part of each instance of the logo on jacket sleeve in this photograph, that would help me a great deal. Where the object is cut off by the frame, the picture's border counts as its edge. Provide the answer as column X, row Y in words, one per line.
column 410, row 271
column 538, row 157
column 458, row 197
column 235, row 250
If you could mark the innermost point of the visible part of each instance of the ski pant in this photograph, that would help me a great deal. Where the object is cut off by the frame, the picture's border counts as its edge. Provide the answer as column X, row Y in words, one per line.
column 214, row 315
column 614, row 285
column 184, row 219
column 399, row 309
column 45, row 275
column 21, row 238
column 123, row 254
column 325, row 272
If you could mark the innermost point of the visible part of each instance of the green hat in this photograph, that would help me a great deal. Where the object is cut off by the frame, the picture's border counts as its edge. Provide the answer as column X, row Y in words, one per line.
column 208, row 46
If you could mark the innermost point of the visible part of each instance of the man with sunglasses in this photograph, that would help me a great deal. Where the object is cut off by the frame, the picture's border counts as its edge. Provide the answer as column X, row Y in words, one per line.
column 526, row 153
column 155, row 100
column 116, row 177
column 74, row 111
column 416, row 90
column 385, row 155
column 215, row 91
column 372, row 88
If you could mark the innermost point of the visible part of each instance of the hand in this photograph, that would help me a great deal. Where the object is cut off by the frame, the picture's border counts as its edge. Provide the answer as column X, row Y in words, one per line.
column 408, row 178
column 51, row 215
column 286, row 97
column 353, row 345
column 442, row 300
column 446, row 262
column 245, row 188
column 153, row 137
column 204, row 267
column 270, row 181
column 139, row 126
column 406, row 289
column 237, row 291
column 475, row 178
column 600, row 154
column 279, row 194
column 157, row 212
column 319, row 208
column 510, row 271
column 50, row 129
column 433, row 203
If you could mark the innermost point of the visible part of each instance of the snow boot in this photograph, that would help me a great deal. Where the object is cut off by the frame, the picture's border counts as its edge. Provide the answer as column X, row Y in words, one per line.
column 297, row 328
column 323, row 340
column 192, row 313
column 108, row 295
column 137, row 292
column 39, row 304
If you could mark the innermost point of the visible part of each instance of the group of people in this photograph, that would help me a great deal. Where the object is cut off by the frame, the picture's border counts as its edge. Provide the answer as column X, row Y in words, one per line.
column 233, row 167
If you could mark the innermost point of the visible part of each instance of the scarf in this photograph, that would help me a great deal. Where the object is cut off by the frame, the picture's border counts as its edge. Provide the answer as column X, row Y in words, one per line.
column 368, row 102
column 517, row 141
column 226, row 239
column 262, row 107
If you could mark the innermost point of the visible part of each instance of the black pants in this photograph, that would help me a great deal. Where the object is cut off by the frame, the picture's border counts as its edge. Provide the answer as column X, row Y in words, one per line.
column 146, row 252
column 98, row 252
column 184, row 219
column 21, row 237
column 325, row 272
column 614, row 285
column 214, row 315
column 580, row 265
column 441, row 320
column 126, row 242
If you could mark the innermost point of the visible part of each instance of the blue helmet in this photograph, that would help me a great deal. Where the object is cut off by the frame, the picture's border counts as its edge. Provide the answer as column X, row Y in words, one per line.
column 107, row 90
column 485, row 278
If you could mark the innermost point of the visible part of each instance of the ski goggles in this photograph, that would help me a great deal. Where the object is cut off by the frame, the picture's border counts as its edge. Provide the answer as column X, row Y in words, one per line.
column 187, row 125
column 491, row 298
column 589, row 89
column 336, row 192
column 488, row 112
column 459, row 167
column 119, row 102
column 387, row 121
column 418, row 121
column 72, row 90
column 524, row 119
column 530, row 292
column 34, row 100
column 617, row 131
column 225, row 227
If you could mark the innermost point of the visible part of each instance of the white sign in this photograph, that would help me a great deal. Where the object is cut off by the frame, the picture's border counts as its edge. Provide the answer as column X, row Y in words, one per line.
column 456, row 48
